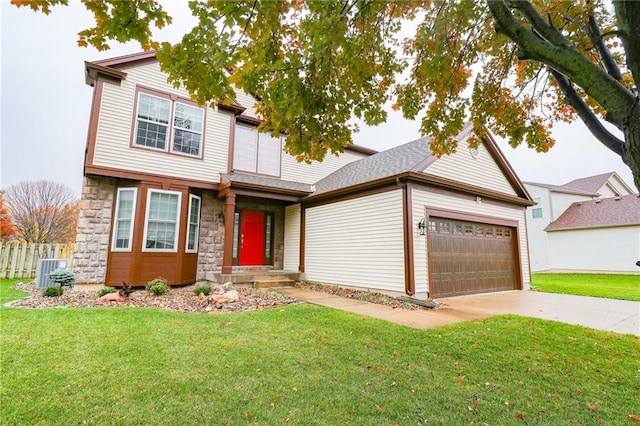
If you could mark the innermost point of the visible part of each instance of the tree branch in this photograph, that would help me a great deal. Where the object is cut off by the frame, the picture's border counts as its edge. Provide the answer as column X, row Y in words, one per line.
column 546, row 31
column 605, row 54
column 616, row 99
column 586, row 114
column 628, row 17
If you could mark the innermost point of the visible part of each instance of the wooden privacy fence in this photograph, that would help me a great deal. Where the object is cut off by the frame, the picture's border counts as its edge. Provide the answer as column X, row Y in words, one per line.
column 18, row 260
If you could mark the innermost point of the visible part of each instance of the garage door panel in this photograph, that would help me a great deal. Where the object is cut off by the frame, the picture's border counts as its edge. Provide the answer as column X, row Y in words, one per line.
column 469, row 257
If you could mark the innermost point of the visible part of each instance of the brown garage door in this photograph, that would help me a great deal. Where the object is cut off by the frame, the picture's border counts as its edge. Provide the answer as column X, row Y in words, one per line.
column 470, row 257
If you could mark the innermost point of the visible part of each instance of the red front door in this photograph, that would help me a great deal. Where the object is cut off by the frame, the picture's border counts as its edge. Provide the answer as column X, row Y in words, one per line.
column 251, row 237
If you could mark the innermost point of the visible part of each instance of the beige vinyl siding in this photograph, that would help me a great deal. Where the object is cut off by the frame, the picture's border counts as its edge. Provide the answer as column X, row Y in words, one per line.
column 248, row 102
column 312, row 173
column 291, row 238
column 423, row 198
column 357, row 242
column 115, row 127
column 593, row 250
column 480, row 171
column 419, row 199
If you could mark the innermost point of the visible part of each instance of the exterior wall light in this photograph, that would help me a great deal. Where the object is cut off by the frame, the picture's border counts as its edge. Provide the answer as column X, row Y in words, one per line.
column 422, row 227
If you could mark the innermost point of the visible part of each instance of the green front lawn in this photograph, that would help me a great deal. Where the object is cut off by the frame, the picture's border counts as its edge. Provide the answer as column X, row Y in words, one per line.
column 304, row 364
column 625, row 287
column 7, row 293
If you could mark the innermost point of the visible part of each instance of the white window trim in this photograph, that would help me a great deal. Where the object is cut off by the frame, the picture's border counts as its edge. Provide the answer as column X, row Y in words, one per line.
column 170, row 126
column 186, row 246
column 146, row 222
column 173, row 127
column 115, row 220
column 257, row 153
column 168, row 140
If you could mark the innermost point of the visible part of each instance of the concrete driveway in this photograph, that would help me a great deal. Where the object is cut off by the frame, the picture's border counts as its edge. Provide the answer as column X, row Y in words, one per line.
column 621, row 316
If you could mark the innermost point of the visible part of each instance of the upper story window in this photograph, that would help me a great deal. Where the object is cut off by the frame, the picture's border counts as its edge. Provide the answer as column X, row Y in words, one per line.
column 164, row 120
column 536, row 211
column 256, row 152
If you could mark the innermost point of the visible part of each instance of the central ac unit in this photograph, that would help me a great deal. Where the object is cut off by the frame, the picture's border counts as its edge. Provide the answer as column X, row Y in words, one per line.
column 45, row 267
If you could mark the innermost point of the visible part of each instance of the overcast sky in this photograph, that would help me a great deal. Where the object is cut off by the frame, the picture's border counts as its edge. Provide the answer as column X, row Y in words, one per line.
column 45, row 105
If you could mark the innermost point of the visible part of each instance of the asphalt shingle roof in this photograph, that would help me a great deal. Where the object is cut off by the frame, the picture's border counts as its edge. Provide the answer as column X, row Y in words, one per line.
column 391, row 162
column 589, row 183
column 561, row 188
column 602, row 212
column 267, row 182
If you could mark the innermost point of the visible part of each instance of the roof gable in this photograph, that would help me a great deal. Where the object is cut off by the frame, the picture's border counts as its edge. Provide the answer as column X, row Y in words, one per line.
column 415, row 158
column 599, row 213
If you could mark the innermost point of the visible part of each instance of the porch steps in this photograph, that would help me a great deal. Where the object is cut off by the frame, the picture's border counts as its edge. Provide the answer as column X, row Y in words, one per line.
column 257, row 279
column 270, row 281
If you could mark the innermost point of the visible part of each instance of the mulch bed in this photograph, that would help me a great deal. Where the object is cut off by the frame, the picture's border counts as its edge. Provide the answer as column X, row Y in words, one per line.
column 364, row 295
column 183, row 299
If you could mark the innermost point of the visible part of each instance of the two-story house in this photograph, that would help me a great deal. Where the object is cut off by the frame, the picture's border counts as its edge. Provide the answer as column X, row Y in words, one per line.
column 192, row 192
column 590, row 224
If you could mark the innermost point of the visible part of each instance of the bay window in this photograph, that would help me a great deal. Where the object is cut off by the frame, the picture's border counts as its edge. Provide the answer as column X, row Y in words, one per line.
column 193, row 224
column 162, row 221
column 123, row 222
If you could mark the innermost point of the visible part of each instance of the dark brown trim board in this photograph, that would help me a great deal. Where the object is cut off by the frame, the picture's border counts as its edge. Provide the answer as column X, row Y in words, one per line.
column 303, row 237
column 407, row 226
column 229, row 212
column 92, row 132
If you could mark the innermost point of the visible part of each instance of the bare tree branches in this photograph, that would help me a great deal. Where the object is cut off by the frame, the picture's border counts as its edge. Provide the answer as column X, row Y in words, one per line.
column 42, row 211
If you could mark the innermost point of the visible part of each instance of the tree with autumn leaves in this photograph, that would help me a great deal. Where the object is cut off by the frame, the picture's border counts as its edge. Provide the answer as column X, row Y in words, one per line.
column 41, row 212
column 510, row 67
column 7, row 230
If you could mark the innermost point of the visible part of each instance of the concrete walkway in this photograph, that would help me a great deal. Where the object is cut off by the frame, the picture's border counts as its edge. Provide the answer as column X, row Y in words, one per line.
column 620, row 316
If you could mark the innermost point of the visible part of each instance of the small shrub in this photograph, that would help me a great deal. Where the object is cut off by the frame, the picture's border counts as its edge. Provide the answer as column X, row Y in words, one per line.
column 63, row 277
column 106, row 290
column 52, row 291
column 204, row 289
column 158, row 286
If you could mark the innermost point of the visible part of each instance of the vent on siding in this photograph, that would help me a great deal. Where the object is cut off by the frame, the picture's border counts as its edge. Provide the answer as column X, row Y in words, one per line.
column 45, row 267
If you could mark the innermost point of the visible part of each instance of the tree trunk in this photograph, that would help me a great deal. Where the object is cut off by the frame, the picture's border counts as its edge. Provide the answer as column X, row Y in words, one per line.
column 631, row 154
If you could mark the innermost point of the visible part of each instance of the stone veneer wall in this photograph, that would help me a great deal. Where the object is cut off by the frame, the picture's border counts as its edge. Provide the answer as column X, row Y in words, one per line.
column 211, row 240
column 92, row 236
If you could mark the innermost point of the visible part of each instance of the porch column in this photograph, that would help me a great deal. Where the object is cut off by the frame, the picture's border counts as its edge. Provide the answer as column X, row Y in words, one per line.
column 229, row 214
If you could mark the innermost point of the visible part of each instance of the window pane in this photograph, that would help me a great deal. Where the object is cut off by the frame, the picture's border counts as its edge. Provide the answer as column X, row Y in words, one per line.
column 162, row 220
column 194, row 223
column 269, row 153
column 245, row 149
column 236, row 228
column 154, row 109
column 186, row 142
column 124, row 219
column 536, row 213
column 187, row 134
column 267, row 240
column 153, row 121
column 188, row 117
column 152, row 135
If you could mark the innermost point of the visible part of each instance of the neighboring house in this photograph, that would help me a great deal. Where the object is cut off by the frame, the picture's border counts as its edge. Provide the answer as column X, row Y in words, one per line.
column 189, row 193
column 589, row 224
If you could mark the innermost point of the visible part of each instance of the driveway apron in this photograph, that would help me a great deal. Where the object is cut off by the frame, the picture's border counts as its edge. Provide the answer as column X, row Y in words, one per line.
column 619, row 316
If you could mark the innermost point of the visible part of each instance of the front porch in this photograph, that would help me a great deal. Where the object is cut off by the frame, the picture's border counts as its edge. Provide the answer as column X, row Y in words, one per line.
column 257, row 278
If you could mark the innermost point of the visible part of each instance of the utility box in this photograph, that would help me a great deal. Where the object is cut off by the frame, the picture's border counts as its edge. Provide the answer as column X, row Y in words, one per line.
column 45, row 267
